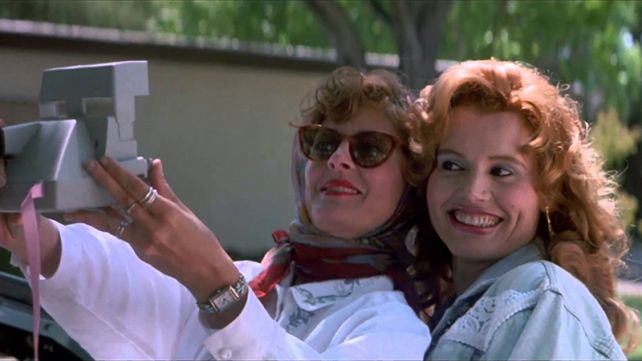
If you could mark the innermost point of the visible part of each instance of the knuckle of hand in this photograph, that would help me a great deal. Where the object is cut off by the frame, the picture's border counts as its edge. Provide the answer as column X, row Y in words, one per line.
column 159, row 235
column 173, row 220
column 146, row 253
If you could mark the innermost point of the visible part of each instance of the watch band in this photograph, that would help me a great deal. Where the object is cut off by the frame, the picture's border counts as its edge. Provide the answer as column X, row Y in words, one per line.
column 224, row 297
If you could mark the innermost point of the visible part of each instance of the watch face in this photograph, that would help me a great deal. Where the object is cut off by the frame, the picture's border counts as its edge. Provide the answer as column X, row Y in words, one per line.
column 225, row 299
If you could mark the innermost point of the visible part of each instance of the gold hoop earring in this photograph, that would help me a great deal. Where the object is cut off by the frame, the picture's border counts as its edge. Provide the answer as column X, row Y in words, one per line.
column 551, row 234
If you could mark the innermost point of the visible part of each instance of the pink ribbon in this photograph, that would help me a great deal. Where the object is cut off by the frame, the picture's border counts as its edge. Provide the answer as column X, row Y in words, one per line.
column 32, row 238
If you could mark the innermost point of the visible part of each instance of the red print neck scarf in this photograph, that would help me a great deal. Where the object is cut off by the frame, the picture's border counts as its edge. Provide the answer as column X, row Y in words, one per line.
column 316, row 256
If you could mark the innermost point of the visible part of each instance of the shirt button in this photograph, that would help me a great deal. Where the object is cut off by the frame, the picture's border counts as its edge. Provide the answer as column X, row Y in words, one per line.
column 225, row 354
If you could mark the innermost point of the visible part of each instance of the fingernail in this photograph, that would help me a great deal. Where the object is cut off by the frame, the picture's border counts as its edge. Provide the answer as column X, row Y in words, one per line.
column 150, row 162
column 104, row 160
column 90, row 165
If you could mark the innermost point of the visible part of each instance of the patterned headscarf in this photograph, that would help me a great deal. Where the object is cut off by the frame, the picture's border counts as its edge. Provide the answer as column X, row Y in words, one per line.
column 315, row 256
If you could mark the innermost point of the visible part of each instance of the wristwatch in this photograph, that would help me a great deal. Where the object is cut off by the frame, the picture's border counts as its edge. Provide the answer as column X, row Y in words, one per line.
column 224, row 297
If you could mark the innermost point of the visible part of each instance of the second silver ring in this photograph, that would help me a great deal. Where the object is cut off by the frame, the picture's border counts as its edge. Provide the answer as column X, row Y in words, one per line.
column 121, row 227
column 149, row 197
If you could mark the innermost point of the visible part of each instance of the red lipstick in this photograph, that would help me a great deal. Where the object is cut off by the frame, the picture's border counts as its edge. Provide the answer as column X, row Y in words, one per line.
column 339, row 187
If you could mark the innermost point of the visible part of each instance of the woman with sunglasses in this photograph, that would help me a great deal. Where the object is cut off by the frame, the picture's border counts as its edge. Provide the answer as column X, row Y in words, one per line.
column 524, row 219
column 335, row 286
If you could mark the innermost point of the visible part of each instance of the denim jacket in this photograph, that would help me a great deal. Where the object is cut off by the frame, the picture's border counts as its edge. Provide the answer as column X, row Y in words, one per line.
column 523, row 307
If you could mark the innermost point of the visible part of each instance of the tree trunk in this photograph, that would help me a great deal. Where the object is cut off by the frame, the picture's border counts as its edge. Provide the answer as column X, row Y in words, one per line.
column 432, row 20
column 418, row 28
column 342, row 34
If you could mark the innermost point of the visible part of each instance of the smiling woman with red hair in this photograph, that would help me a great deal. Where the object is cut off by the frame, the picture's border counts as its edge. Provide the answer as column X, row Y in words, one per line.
column 524, row 221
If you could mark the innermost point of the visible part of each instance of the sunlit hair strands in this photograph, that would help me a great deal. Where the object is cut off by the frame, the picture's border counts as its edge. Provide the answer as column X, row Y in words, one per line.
column 589, row 240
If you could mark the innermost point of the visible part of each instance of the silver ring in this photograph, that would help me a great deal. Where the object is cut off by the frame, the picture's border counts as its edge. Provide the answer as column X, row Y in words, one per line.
column 149, row 197
column 131, row 207
column 122, row 212
column 121, row 227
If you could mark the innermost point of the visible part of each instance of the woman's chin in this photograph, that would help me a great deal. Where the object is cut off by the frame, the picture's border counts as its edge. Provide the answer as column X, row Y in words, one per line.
column 342, row 233
column 340, row 228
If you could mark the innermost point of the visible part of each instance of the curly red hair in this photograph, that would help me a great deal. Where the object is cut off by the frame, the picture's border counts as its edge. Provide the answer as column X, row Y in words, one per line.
column 589, row 240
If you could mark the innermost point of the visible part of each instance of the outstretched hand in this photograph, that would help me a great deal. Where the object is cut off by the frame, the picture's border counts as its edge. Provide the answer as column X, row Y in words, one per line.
column 162, row 230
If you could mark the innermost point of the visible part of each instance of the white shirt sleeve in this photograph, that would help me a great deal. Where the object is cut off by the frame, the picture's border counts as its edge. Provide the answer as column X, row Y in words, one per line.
column 364, row 329
column 113, row 304
column 119, row 307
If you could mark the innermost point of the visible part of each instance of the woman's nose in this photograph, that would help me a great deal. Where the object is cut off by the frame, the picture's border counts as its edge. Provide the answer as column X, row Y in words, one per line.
column 341, row 159
column 477, row 188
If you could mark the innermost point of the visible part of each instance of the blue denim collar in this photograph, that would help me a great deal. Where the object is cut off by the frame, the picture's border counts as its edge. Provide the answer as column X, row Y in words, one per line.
column 452, row 311
column 527, row 253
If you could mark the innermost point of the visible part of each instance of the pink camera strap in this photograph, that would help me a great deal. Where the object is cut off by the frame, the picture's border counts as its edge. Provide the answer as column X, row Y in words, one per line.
column 32, row 238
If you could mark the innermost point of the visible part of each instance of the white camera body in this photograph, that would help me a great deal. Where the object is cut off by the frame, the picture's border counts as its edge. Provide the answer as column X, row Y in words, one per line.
column 86, row 112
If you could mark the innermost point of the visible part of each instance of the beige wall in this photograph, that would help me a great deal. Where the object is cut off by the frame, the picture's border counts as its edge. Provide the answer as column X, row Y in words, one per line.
column 221, row 130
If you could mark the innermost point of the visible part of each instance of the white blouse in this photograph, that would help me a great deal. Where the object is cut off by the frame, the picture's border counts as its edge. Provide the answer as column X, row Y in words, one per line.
column 118, row 307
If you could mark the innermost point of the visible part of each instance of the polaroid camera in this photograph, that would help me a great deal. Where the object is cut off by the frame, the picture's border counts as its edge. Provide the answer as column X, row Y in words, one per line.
column 86, row 112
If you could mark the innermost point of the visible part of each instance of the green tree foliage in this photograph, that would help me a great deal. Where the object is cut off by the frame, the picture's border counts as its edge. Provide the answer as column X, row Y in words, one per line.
column 590, row 44
column 124, row 14
column 628, row 205
column 278, row 22
column 271, row 21
column 614, row 140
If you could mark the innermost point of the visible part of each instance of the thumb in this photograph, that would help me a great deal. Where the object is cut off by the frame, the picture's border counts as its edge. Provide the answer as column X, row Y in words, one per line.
column 158, row 181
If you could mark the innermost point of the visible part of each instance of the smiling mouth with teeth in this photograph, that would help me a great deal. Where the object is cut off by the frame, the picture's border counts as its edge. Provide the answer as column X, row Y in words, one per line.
column 476, row 220
column 339, row 190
